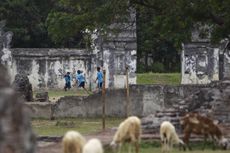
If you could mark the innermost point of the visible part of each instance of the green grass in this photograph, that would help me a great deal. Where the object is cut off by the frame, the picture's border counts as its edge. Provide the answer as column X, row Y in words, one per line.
column 154, row 147
column 159, row 78
column 44, row 127
column 55, row 94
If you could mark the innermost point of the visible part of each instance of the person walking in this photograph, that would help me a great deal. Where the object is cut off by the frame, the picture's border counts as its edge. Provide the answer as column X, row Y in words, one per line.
column 99, row 79
column 80, row 78
column 67, row 81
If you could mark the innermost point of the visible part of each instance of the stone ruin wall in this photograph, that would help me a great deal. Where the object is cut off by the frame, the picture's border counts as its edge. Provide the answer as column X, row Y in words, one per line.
column 16, row 135
column 225, row 53
column 199, row 63
column 202, row 62
column 116, row 51
column 153, row 103
column 46, row 67
column 146, row 100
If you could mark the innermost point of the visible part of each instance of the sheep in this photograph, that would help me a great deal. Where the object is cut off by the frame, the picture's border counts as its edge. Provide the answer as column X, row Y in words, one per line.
column 200, row 125
column 93, row 146
column 128, row 131
column 168, row 136
column 73, row 142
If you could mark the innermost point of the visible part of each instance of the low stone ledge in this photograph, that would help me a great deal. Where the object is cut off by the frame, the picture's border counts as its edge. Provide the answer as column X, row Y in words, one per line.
column 39, row 109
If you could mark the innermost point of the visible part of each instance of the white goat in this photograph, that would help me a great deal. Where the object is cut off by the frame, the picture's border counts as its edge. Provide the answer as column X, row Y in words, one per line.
column 73, row 142
column 93, row 146
column 168, row 136
column 128, row 131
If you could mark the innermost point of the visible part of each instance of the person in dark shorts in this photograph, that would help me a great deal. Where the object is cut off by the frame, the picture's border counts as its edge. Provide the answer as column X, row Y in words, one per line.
column 81, row 80
column 67, row 81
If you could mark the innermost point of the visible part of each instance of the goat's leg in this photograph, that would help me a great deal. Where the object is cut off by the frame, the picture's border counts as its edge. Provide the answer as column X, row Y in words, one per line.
column 169, row 145
column 204, row 143
column 136, row 146
column 129, row 147
column 186, row 140
column 163, row 147
column 213, row 143
column 119, row 148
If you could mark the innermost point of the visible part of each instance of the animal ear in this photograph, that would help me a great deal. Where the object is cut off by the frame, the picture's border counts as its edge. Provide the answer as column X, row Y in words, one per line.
column 181, row 122
column 193, row 120
column 215, row 122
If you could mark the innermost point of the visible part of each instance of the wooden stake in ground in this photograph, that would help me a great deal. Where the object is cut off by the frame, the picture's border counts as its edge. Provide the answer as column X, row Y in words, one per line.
column 103, row 100
column 127, row 93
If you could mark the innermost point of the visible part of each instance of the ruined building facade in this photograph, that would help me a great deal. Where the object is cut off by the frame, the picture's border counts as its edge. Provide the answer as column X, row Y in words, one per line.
column 46, row 67
column 201, row 62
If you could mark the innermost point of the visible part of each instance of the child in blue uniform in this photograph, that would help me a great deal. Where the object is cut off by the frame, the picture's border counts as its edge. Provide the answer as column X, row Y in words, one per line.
column 67, row 81
column 81, row 80
column 99, row 78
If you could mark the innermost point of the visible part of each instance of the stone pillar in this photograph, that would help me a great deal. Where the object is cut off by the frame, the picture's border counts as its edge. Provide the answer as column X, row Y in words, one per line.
column 16, row 134
column 5, row 53
column 116, row 51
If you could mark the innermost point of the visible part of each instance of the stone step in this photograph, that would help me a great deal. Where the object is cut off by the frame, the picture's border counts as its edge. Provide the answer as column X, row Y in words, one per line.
column 167, row 110
column 166, row 115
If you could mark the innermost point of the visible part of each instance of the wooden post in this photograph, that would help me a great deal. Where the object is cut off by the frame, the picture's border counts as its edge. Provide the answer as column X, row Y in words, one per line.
column 103, row 100
column 127, row 93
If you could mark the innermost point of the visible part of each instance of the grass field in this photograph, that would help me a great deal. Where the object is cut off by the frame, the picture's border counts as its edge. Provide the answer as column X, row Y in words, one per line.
column 55, row 94
column 154, row 147
column 159, row 78
column 44, row 127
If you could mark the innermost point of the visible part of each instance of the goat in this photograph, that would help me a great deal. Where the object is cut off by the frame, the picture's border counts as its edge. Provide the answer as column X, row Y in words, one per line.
column 168, row 136
column 93, row 146
column 201, row 125
column 128, row 131
column 73, row 142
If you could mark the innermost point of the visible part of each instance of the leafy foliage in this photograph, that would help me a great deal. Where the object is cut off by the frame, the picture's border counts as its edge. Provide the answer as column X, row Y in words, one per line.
column 25, row 18
column 162, row 25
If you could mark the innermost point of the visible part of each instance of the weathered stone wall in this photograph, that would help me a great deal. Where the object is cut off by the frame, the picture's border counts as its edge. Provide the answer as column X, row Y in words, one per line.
column 46, row 67
column 91, row 106
column 226, row 61
column 144, row 99
column 199, row 63
column 116, row 51
column 16, row 134
column 212, row 100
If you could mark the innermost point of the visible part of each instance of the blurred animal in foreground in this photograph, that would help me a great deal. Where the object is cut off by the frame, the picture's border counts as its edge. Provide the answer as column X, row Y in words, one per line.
column 128, row 131
column 73, row 142
column 168, row 136
column 93, row 146
column 201, row 125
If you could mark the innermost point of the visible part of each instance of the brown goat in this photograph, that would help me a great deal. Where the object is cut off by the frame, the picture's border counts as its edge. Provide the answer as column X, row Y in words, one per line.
column 200, row 125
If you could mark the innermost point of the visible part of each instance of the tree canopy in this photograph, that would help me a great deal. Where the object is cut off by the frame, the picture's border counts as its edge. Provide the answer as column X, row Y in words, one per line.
column 162, row 25
column 65, row 19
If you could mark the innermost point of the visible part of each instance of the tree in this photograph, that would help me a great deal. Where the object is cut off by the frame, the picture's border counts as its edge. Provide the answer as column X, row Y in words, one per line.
column 25, row 18
column 162, row 25
column 70, row 18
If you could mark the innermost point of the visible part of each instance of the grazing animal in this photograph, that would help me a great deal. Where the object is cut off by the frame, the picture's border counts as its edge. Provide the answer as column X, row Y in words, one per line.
column 168, row 136
column 73, row 142
column 93, row 146
column 201, row 125
column 128, row 131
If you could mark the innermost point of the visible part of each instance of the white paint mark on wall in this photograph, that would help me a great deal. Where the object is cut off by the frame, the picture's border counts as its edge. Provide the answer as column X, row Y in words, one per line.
column 34, row 76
